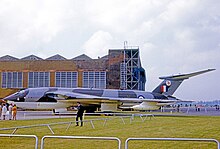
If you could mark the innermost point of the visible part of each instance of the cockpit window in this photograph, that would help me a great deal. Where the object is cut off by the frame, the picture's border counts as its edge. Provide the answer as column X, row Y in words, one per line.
column 22, row 91
column 17, row 93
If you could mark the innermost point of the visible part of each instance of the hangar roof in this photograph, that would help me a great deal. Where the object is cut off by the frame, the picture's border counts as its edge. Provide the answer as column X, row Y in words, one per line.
column 82, row 57
column 32, row 57
column 56, row 57
column 104, row 57
column 8, row 58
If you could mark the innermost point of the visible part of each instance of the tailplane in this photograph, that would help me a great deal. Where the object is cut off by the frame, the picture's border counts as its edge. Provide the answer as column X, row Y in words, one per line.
column 170, row 83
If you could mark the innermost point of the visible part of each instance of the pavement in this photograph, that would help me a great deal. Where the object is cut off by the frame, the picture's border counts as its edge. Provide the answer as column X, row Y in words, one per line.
column 26, row 115
column 183, row 111
column 192, row 111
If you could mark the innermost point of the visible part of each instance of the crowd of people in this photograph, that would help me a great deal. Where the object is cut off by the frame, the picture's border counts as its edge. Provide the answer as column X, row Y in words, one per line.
column 8, row 111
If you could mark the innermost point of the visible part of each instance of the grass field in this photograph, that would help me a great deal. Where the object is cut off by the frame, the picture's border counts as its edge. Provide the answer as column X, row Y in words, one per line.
column 179, row 127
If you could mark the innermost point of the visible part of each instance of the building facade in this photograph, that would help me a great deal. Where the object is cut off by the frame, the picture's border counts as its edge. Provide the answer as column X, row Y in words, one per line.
column 120, row 69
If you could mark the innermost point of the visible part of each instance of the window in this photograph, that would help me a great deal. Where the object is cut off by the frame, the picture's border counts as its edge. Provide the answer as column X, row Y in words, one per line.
column 38, row 79
column 66, row 79
column 94, row 79
column 12, row 80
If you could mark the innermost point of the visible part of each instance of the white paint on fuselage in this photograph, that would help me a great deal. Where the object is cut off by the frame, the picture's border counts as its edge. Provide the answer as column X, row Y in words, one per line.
column 109, row 106
column 42, row 105
column 146, row 106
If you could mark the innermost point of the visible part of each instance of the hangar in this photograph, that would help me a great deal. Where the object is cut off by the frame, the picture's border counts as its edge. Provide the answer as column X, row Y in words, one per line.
column 120, row 69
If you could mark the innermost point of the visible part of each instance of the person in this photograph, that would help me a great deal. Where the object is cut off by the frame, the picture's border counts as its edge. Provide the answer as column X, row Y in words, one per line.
column 14, row 112
column 0, row 110
column 10, row 111
column 196, row 107
column 217, row 107
column 4, row 111
column 79, row 114
column 178, row 108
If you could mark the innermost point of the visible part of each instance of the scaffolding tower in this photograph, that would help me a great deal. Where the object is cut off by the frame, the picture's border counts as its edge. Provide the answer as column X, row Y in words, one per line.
column 132, row 75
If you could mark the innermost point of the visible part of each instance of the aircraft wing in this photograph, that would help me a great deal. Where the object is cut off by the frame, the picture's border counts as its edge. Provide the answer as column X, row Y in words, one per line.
column 185, row 76
column 70, row 95
column 64, row 96
column 140, row 100
column 91, row 99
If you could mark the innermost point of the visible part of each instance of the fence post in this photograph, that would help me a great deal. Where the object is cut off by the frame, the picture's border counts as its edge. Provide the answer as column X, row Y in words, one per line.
column 25, row 136
column 174, row 139
column 81, row 137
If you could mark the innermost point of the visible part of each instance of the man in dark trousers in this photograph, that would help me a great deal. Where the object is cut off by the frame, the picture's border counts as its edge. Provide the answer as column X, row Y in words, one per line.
column 79, row 114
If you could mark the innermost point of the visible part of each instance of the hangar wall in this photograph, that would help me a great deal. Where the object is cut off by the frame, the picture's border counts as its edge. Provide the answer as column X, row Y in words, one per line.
column 57, row 71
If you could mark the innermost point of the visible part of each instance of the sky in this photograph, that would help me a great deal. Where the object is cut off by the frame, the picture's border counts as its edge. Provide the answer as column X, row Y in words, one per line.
column 174, row 36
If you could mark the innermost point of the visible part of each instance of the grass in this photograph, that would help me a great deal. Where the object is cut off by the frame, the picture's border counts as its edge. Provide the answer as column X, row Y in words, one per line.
column 159, row 127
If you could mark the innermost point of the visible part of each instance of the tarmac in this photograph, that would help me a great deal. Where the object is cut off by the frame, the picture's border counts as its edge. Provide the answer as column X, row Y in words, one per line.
column 26, row 115
column 193, row 111
column 183, row 111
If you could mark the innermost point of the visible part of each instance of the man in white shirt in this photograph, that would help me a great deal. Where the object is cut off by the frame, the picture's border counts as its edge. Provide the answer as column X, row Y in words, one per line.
column 4, row 111
column 10, row 111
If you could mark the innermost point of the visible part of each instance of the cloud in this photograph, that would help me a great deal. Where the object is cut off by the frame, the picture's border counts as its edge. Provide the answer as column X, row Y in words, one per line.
column 30, row 24
column 174, row 36
column 98, row 43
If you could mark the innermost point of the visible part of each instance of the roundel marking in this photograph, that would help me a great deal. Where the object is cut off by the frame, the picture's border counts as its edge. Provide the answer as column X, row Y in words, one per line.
column 168, row 83
column 141, row 97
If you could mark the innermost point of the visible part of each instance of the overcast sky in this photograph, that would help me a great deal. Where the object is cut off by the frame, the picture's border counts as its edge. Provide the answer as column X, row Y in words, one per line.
column 174, row 36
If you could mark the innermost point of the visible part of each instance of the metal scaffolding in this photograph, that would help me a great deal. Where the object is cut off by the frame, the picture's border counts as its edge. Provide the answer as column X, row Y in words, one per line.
column 132, row 75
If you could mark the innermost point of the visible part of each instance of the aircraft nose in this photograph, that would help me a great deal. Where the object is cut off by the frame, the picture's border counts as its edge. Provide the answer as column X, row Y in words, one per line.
column 18, row 96
column 12, row 97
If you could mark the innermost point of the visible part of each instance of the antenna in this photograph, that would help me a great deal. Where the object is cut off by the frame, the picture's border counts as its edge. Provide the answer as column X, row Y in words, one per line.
column 125, row 44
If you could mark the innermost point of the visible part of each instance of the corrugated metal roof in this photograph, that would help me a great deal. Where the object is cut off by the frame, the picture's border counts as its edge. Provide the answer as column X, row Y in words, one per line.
column 8, row 58
column 82, row 57
column 104, row 57
column 56, row 57
column 32, row 57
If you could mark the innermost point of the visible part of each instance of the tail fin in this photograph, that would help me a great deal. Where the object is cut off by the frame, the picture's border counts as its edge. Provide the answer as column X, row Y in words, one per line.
column 170, row 83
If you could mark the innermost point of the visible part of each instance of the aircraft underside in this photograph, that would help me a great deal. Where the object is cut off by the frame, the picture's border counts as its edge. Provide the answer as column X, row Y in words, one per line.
column 106, row 107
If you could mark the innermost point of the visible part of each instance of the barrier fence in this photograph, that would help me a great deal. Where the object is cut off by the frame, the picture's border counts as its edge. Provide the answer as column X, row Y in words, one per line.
column 23, row 136
column 173, row 139
column 131, row 117
column 81, row 137
column 109, row 138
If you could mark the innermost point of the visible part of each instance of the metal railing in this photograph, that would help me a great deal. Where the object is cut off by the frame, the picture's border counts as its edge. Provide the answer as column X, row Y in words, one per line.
column 173, row 139
column 24, row 136
column 110, row 138
column 81, row 137
column 122, row 116
column 58, row 123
